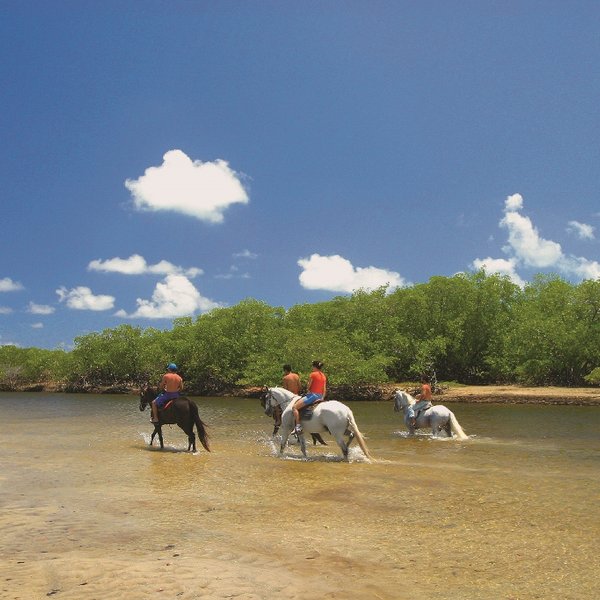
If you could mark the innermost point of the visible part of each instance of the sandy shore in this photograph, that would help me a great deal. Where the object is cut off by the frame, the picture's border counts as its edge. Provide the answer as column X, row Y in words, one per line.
column 499, row 394
column 512, row 394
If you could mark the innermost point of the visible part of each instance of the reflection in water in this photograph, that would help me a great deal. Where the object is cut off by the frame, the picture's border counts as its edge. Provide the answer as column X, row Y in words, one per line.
column 510, row 513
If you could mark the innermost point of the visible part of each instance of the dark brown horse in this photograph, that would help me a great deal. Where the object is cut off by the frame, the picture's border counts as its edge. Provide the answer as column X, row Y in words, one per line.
column 183, row 412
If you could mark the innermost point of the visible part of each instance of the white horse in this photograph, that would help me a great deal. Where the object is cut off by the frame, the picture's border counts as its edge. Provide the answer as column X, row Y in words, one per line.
column 438, row 417
column 331, row 416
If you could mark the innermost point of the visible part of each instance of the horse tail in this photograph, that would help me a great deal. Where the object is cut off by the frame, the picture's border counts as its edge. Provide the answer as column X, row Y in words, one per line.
column 358, row 435
column 456, row 428
column 200, row 426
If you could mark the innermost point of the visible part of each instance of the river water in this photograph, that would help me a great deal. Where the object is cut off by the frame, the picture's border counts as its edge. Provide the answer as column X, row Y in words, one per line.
column 88, row 510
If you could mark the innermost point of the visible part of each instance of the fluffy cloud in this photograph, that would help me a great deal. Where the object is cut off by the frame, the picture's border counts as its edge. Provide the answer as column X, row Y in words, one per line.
column 8, row 285
column 581, row 267
column 40, row 309
column 513, row 203
column 527, row 248
column 526, row 243
column 337, row 274
column 137, row 265
column 581, row 230
column 5, row 310
column 175, row 297
column 201, row 190
column 499, row 266
column 82, row 298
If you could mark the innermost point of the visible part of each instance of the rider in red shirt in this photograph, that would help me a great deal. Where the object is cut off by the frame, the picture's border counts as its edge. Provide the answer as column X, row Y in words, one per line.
column 317, row 388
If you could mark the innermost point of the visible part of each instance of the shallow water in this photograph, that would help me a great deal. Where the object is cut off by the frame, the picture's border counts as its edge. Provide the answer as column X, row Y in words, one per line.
column 88, row 510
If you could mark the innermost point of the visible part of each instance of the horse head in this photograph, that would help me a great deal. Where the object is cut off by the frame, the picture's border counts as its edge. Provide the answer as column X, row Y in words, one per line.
column 267, row 402
column 147, row 394
column 402, row 399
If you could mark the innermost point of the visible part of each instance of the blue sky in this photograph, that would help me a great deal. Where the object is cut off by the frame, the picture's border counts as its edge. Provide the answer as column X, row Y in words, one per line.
column 159, row 159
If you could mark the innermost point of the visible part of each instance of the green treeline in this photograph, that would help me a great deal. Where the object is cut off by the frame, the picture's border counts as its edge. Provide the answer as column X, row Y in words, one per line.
column 470, row 328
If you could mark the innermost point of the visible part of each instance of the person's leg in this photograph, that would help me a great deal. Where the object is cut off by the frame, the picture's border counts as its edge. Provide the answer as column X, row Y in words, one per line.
column 154, row 412
column 296, row 408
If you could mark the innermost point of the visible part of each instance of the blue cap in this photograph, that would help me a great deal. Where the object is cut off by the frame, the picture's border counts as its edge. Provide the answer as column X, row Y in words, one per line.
column 172, row 367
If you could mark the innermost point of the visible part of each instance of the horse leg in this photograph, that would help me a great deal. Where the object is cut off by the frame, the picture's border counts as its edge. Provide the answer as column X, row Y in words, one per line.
column 285, row 434
column 316, row 437
column 343, row 446
column 188, row 429
column 302, row 441
column 448, row 429
column 157, row 431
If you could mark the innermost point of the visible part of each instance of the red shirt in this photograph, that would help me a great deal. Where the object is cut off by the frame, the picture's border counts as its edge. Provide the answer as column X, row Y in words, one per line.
column 317, row 383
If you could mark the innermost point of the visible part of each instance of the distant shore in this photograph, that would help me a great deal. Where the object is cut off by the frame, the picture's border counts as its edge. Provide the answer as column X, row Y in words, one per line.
column 472, row 394
column 513, row 394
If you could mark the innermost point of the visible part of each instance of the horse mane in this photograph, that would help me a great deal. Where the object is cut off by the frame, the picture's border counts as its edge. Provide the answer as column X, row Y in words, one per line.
column 281, row 390
column 411, row 400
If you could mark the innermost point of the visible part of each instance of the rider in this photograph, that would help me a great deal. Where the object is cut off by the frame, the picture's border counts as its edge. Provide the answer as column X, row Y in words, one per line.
column 290, row 380
column 317, row 388
column 170, row 385
column 423, row 402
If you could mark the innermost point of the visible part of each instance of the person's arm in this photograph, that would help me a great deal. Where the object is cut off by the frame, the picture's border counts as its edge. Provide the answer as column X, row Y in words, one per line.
column 324, row 388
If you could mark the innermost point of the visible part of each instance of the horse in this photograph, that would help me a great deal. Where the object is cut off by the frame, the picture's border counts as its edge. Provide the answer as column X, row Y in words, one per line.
column 331, row 416
column 438, row 417
column 181, row 411
column 276, row 412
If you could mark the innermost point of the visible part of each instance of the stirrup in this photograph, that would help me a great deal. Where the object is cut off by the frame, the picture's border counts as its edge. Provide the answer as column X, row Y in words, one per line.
column 298, row 429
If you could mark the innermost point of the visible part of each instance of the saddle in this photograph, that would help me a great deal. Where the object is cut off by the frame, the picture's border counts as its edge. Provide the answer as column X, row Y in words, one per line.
column 168, row 405
column 306, row 413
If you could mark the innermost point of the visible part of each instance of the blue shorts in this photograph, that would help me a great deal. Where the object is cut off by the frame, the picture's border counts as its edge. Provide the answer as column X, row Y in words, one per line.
column 163, row 398
column 311, row 398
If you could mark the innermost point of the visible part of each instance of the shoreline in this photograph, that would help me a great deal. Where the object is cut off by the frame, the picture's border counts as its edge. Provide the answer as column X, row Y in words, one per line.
column 513, row 394
column 472, row 394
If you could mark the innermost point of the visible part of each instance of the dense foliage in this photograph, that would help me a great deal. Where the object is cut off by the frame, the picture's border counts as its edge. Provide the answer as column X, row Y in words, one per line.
column 470, row 328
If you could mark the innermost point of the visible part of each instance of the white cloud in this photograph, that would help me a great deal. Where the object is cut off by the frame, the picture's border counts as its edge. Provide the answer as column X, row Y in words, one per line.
column 40, row 309
column 528, row 249
column 234, row 273
column 526, row 243
column 337, row 274
column 37, row 325
column 201, row 190
column 499, row 266
column 8, row 285
column 580, row 267
column 581, row 230
column 175, row 297
column 137, row 265
column 514, row 202
column 82, row 298
column 5, row 310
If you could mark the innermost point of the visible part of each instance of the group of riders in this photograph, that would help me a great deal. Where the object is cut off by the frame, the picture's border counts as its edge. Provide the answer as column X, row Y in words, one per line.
column 171, row 386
